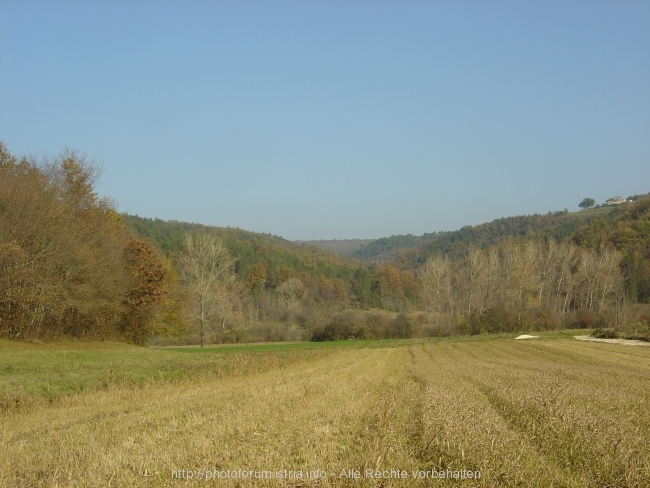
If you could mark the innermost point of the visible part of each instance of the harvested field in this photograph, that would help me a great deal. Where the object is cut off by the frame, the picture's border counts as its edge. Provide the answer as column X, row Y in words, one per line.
column 549, row 412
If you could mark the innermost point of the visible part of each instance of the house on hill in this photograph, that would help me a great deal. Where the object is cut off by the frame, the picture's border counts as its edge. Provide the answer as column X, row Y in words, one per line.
column 616, row 201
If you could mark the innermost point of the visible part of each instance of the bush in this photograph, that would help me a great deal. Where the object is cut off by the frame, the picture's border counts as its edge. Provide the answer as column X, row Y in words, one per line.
column 493, row 320
column 354, row 325
column 544, row 320
column 585, row 319
column 605, row 334
column 400, row 328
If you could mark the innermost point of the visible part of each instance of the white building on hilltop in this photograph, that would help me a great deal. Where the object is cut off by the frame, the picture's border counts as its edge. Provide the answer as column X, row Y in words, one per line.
column 616, row 201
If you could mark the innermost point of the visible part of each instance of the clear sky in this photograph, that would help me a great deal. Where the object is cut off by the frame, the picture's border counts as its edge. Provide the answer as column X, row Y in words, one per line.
column 327, row 119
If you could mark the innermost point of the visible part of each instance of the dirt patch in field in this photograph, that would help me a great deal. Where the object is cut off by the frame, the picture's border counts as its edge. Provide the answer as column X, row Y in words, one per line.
column 625, row 342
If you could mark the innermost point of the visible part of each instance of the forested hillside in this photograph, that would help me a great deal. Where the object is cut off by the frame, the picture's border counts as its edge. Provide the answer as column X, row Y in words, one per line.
column 386, row 248
column 72, row 266
column 627, row 229
column 558, row 226
column 262, row 260
column 168, row 235
column 509, row 274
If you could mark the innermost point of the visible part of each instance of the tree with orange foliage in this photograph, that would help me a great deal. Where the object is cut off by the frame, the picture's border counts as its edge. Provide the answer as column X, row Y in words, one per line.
column 147, row 289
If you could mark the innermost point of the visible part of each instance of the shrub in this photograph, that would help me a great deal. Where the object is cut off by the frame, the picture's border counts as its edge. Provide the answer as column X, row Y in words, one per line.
column 493, row 320
column 585, row 319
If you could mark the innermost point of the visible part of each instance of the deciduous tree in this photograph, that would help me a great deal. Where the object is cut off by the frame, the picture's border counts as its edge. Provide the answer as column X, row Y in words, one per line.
column 205, row 266
column 147, row 289
column 432, row 279
column 587, row 203
column 292, row 292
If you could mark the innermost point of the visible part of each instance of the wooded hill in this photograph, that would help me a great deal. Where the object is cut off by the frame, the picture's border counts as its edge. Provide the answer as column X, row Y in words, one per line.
column 556, row 225
column 262, row 260
column 626, row 228
column 71, row 265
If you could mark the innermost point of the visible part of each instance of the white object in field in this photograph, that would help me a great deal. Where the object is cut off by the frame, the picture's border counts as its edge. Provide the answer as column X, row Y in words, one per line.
column 527, row 337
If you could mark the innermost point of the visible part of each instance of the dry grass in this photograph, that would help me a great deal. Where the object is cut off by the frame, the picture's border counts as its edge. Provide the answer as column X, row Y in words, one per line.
column 36, row 375
column 549, row 413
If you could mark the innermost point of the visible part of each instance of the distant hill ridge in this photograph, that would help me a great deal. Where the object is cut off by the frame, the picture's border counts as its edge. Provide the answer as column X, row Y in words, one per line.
column 625, row 226
column 343, row 247
column 169, row 234
column 407, row 251
column 410, row 251
column 557, row 225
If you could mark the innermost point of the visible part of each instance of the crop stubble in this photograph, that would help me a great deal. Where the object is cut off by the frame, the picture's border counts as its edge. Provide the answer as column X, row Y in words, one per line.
column 548, row 413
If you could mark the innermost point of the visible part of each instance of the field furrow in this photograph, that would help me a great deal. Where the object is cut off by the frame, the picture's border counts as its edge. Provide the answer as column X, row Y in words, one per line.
column 549, row 413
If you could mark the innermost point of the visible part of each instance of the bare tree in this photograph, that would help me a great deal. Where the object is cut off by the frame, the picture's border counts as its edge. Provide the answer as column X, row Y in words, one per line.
column 229, row 294
column 251, row 312
column 609, row 275
column 206, row 265
column 566, row 280
column 474, row 274
column 493, row 277
column 521, row 262
column 432, row 279
column 292, row 291
column 546, row 271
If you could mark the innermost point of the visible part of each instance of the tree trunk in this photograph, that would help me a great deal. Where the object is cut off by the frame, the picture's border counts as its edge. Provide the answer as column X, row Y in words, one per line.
column 202, row 325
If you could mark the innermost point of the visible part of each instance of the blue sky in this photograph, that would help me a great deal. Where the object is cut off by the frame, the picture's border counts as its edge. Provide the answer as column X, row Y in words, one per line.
column 326, row 119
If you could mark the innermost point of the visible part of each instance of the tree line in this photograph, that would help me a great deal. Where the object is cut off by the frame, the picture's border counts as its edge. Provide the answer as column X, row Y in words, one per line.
column 523, row 285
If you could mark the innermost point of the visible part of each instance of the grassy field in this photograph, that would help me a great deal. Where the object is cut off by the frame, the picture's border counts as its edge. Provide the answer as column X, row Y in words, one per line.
column 547, row 412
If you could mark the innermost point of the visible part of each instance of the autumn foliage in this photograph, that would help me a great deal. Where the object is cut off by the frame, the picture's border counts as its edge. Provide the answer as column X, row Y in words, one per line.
column 70, row 265
column 67, row 264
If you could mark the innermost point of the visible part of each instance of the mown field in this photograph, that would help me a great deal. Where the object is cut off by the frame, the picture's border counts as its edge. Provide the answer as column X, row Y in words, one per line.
column 548, row 412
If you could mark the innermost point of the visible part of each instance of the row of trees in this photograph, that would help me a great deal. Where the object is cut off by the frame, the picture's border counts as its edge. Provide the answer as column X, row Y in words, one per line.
column 514, row 286
column 522, row 280
column 588, row 203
